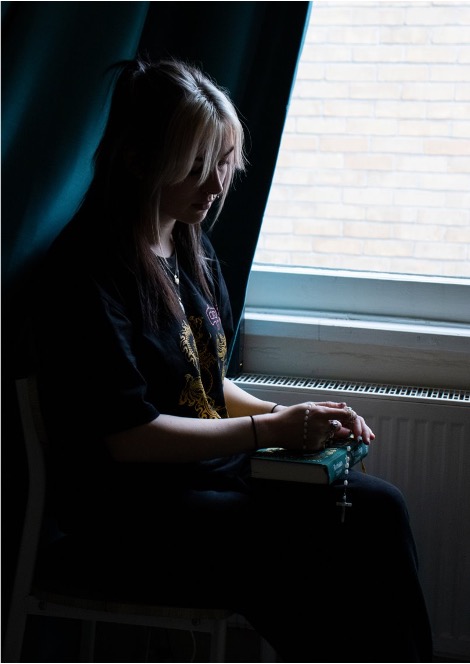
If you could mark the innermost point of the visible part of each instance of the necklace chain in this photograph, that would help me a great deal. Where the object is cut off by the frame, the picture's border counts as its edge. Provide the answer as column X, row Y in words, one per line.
column 173, row 275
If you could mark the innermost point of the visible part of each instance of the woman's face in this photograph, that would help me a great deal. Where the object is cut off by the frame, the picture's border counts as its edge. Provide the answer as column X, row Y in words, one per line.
column 189, row 201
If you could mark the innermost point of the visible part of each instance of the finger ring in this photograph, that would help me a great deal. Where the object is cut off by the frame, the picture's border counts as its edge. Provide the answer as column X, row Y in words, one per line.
column 352, row 414
column 335, row 425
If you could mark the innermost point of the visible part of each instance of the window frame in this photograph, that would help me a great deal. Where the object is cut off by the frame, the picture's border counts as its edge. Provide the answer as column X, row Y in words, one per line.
column 351, row 325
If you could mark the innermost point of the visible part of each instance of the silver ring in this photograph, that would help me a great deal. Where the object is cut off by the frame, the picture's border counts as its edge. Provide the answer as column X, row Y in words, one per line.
column 335, row 425
column 352, row 414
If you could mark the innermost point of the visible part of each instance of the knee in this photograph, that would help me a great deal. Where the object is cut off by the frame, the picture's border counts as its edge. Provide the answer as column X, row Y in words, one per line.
column 386, row 498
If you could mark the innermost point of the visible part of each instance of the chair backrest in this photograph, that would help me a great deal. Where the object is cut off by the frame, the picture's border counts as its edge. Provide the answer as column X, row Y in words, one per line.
column 31, row 400
column 25, row 602
column 35, row 442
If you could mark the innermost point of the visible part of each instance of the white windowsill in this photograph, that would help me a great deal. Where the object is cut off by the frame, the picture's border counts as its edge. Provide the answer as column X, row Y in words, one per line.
column 285, row 335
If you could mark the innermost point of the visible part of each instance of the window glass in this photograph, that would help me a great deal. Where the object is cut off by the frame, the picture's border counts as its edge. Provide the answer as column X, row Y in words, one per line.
column 373, row 172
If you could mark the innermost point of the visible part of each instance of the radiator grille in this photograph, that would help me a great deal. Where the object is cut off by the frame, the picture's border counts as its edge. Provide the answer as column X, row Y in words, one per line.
column 413, row 392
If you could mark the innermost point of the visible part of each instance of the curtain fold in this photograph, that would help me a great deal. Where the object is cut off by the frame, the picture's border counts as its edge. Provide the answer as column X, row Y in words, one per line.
column 54, row 95
column 54, row 55
column 54, row 99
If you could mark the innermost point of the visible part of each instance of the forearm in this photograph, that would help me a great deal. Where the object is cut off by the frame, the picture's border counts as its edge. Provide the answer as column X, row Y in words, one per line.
column 171, row 439
column 240, row 403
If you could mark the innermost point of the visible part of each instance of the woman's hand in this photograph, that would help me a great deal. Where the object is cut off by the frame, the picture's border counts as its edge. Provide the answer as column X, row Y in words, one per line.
column 311, row 426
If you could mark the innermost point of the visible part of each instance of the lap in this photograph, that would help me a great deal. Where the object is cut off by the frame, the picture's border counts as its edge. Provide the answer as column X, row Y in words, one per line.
column 276, row 552
column 216, row 541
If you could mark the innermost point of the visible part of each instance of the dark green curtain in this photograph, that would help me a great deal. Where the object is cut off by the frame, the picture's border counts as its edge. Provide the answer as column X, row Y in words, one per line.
column 54, row 94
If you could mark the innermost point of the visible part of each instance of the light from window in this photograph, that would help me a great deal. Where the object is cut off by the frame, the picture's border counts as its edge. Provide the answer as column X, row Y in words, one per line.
column 373, row 173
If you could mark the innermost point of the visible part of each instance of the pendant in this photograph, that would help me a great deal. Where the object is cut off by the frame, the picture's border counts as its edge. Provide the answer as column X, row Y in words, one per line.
column 177, row 279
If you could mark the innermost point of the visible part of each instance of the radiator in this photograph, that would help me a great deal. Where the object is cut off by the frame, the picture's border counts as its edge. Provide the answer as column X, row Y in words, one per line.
column 422, row 446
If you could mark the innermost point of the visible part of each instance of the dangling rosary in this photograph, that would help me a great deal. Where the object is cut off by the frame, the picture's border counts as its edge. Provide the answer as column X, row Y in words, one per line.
column 334, row 425
column 343, row 503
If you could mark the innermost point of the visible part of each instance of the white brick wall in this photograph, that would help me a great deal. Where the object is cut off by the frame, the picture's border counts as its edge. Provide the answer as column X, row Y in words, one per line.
column 374, row 167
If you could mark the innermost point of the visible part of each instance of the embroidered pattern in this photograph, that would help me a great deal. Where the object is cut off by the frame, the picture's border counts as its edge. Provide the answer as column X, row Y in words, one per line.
column 213, row 315
column 198, row 345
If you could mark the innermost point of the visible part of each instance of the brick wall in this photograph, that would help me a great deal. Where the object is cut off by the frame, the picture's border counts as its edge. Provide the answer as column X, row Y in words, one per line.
column 374, row 167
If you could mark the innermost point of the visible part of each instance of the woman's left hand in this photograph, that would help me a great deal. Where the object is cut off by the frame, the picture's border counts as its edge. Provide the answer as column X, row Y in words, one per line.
column 348, row 422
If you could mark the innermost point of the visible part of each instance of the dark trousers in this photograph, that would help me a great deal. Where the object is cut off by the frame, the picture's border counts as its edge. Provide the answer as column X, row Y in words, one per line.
column 312, row 586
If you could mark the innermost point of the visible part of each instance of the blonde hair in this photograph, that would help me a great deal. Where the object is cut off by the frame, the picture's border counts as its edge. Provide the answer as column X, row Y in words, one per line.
column 162, row 116
column 201, row 124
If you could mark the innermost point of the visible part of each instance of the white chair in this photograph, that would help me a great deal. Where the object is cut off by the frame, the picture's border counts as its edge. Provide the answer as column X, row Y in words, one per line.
column 30, row 599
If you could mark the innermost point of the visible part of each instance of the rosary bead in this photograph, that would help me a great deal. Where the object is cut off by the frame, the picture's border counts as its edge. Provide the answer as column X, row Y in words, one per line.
column 305, row 436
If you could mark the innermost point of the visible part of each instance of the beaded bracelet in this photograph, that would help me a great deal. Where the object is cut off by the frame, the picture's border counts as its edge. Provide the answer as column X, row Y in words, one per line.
column 255, row 433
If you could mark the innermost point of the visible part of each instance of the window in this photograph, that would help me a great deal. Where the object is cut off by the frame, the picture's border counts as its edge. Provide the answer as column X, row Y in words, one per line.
column 374, row 168
column 364, row 254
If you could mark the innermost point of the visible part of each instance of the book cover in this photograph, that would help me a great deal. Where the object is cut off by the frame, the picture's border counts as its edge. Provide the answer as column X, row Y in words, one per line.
column 357, row 453
column 322, row 467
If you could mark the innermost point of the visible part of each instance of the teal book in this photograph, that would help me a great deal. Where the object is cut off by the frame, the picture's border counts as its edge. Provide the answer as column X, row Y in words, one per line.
column 357, row 453
column 322, row 467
